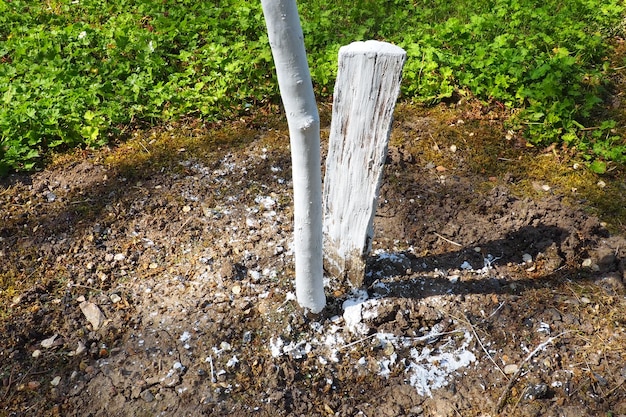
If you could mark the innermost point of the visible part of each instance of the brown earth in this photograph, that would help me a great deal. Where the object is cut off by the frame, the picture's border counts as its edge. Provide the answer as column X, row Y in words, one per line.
column 491, row 290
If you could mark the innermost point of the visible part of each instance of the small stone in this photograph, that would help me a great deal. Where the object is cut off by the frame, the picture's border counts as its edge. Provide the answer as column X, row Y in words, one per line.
column 511, row 369
column 453, row 148
column 600, row 379
column 36, row 353
column 585, row 300
column 90, row 266
column 527, row 258
column 587, row 263
column 108, row 257
column 93, row 314
column 417, row 410
column 115, row 298
column 236, row 289
column 50, row 196
column 477, row 249
column 177, row 366
column 48, row 343
column 601, row 184
column 16, row 300
column 80, row 349
column 33, row 385
column 186, row 209
column 55, row 381
column 153, row 265
column 119, row 257
column 147, row 396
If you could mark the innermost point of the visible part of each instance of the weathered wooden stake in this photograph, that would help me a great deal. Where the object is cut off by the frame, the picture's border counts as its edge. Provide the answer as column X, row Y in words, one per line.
column 366, row 90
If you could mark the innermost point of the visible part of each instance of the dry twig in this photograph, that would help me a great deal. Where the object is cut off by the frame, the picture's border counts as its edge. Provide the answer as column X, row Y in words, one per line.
column 10, row 382
column 539, row 348
column 448, row 240
column 485, row 350
column 183, row 225
column 471, row 326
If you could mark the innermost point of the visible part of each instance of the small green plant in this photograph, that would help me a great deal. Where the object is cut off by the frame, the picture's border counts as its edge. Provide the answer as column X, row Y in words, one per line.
column 76, row 73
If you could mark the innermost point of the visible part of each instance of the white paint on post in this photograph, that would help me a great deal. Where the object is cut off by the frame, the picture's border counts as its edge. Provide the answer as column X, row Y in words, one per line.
column 366, row 90
column 294, row 80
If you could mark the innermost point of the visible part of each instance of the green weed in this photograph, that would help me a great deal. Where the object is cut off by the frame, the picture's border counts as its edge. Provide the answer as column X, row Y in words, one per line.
column 78, row 73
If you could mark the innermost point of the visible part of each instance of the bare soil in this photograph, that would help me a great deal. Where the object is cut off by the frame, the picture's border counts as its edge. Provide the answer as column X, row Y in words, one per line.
column 480, row 300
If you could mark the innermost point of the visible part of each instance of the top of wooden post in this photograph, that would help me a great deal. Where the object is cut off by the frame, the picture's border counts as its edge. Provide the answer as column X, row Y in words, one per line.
column 374, row 47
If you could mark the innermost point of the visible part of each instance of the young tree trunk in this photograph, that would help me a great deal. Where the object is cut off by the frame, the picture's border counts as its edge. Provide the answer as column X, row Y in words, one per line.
column 366, row 90
column 296, row 90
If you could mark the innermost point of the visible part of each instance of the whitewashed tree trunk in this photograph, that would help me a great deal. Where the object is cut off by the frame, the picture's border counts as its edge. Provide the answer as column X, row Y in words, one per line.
column 366, row 90
column 294, row 79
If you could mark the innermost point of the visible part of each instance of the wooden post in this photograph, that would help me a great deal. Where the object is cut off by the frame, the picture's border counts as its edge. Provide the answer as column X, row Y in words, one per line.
column 366, row 90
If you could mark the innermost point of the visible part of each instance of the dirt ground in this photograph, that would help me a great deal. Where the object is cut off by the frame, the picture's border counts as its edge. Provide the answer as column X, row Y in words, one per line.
column 156, row 278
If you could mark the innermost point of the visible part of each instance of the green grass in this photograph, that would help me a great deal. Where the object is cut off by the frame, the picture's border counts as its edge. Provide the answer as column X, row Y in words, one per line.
column 79, row 73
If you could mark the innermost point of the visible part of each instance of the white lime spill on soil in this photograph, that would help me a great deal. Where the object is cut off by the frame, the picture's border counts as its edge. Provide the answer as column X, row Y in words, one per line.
column 426, row 366
column 428, row 362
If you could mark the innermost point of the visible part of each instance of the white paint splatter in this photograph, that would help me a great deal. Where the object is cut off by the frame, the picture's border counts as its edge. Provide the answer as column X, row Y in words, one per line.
column 427, row 368
column 265, row 201
column 353, row 312
column 232, row 361
column 467, row 266
column 428, row 371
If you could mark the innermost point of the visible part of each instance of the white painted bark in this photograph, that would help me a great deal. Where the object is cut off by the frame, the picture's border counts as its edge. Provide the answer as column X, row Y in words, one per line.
column 366, row 90
column 294, row 80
